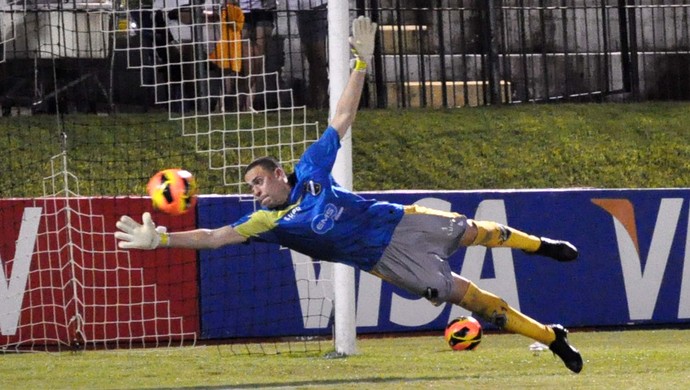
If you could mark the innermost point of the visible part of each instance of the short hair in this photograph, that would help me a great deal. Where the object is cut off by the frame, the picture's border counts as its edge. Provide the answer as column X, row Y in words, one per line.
column 268, row 163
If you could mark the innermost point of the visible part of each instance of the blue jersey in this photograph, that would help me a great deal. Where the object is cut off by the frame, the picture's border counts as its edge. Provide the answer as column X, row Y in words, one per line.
column 322, row 219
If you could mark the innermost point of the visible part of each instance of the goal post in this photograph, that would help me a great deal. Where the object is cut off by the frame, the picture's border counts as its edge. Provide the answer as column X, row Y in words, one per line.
column 339, row 71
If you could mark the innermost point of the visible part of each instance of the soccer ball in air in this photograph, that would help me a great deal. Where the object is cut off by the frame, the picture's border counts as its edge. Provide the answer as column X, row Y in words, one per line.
column 463, row 334
column 172, row 191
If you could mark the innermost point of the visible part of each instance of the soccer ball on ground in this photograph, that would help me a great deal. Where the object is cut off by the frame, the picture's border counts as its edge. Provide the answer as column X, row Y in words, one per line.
column 463, row 334
column 172, row 191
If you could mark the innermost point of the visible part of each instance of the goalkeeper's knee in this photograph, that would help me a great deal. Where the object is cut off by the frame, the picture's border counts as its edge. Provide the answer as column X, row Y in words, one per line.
column 492, row 234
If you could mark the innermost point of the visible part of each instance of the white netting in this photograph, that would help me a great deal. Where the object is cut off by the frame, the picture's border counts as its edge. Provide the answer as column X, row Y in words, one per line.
column 201, row 64
column 196, row 60
column 81, row 291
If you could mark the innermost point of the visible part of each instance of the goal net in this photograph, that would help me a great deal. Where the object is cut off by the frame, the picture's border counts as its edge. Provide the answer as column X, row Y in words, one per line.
column 101, row 96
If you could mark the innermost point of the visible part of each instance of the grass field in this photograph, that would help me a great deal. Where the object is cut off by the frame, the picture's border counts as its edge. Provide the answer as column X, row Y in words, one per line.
column 633, row 359
column 612, row 145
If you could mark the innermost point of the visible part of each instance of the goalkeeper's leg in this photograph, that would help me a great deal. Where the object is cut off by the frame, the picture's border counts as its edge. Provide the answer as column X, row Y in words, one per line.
column 492, row 234
column 497, row 311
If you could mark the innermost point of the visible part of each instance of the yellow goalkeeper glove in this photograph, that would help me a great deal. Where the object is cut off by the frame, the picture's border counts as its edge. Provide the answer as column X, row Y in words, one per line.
column 362, row 41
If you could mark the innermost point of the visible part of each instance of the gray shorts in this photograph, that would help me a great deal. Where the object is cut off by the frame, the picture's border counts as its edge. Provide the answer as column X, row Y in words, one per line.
column 415, row 259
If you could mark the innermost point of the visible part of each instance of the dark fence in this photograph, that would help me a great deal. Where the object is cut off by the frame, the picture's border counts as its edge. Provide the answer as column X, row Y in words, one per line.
column 429, row 53
column 472, row 52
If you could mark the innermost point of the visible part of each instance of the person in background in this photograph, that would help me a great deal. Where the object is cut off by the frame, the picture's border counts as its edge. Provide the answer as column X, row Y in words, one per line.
column 312, row 25
column 259, row 23
column 226, row 54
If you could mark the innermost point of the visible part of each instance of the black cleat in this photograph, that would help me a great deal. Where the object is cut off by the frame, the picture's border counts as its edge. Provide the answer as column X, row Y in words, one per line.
column 571, row 357
column 556, row 249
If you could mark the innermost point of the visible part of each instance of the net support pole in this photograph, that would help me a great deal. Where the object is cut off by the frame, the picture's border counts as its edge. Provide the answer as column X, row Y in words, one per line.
column 339, row 72
column 201, row 99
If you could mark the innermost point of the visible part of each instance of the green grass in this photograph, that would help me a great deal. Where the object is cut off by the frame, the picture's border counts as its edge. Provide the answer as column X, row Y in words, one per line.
column 644, row 145
column 640, row 359
column 612, row 145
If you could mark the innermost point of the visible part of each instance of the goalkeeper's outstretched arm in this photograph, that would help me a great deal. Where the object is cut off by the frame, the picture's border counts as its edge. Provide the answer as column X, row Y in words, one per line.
column 362, row 42
column 346, row 110
column 145, row 235
column 203, row 238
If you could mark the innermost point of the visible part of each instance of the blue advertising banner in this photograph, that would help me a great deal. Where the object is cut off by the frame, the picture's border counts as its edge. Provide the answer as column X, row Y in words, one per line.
column 631, row 270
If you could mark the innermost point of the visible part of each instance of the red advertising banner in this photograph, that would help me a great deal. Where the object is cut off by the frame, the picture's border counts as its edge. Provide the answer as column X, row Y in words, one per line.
column 64, row 282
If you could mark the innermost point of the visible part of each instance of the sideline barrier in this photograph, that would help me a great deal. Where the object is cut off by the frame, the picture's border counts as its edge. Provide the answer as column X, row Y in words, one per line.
column 632, row 267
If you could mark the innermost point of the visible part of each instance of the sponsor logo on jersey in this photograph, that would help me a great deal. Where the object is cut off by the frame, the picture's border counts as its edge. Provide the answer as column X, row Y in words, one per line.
column 322, row 223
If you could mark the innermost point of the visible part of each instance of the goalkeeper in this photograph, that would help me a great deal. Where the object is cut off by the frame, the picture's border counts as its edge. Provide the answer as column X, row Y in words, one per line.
column 309, row 212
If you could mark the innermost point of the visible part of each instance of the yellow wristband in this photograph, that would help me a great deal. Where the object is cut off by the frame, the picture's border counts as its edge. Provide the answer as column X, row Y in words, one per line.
column 165, row 239
column 360, row 65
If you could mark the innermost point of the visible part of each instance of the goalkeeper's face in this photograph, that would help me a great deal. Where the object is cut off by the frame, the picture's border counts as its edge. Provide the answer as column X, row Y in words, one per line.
column 270, row 188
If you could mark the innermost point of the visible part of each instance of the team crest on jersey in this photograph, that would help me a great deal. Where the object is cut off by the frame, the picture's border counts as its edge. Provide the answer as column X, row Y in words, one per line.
column 322, row 223
column 312, row 187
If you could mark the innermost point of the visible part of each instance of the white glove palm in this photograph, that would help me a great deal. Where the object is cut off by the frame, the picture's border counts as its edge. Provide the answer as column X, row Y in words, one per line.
column 133, row 235
column 362, row 39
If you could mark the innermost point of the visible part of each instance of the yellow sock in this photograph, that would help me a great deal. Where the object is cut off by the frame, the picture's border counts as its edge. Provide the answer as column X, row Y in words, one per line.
column 495, row 310
column 492, row 234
